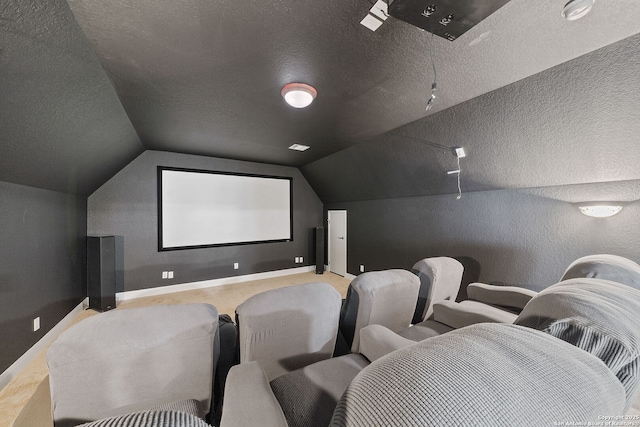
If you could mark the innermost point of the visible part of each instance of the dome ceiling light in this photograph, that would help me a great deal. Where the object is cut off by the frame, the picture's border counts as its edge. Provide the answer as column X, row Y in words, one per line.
column 298, row 95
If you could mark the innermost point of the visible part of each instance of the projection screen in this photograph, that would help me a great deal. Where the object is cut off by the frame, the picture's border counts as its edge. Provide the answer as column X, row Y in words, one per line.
column 198, row 208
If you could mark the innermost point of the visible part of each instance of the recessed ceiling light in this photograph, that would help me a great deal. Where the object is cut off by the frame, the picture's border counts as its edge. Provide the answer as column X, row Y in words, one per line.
column 299, row 147
column 298, row 95
column 576, row 9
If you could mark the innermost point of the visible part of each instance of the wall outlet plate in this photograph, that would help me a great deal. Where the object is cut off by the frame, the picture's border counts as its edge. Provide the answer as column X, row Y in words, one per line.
column 170, row 275
column 236, row 266
column 165, row 274
column 36, row 324
column 361, row 268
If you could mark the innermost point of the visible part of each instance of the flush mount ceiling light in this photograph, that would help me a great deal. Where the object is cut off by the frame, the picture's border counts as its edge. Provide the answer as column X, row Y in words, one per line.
column 600, row 209
column 299, row 147
column 576, row 9
column 298, row 95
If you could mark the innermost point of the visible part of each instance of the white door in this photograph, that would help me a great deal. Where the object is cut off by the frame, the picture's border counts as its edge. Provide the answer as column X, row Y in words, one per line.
column 338, row 242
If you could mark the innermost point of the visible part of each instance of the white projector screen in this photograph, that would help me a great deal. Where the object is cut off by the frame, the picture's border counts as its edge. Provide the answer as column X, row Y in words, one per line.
column 199, row 208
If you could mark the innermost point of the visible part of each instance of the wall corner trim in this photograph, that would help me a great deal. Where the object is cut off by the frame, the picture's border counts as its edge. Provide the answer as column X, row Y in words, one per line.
column 12, row 371
column 128, row 295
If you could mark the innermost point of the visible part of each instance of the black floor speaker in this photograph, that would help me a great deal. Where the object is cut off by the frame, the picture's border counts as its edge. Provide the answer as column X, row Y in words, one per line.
column 105, row 271
column 319, row 250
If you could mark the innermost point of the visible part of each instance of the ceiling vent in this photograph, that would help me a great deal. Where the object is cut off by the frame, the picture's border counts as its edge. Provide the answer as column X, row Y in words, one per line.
column 448, row 19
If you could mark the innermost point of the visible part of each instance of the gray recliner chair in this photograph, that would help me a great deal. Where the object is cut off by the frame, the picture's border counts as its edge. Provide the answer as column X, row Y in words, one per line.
column 502, row 304
column 288, row 328
column 128, row 360
column 440, row 279
column 385, row 298
column 568, row 353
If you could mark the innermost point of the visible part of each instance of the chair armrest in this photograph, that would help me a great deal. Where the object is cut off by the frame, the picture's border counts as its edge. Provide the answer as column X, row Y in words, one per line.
column 465, row 313
column 377, row 341
column 249, row 400
column 504, row 296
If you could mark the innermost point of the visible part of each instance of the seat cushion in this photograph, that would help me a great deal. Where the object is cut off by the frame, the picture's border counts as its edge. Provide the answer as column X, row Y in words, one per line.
column 308, row 396
column 423, row 330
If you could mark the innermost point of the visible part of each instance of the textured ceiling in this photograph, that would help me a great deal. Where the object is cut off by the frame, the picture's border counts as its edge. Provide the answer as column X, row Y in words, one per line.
column 204, row 77
column 88, row 85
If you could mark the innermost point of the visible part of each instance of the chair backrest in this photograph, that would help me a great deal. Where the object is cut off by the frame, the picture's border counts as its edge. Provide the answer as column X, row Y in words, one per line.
column 386, row 298
column 128, row 360
column 483, row 375
column 288, row 328
column 440, row 279
column 605, row 267
column 599, row 316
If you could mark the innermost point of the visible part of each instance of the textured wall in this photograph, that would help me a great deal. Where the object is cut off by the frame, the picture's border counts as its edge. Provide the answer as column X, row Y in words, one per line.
column 576, row 123
column 127, row 205
column 42, row 272
column 523, row 237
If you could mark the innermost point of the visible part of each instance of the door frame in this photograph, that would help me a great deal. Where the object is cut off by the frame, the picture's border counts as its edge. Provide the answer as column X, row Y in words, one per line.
column 329, row 240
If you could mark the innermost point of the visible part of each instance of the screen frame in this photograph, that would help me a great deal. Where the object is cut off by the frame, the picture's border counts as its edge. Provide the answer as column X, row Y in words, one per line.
column 160, row 169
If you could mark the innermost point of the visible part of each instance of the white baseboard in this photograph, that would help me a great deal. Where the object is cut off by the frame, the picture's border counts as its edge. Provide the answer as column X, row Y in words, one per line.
column 17, row 366
column 127, row 295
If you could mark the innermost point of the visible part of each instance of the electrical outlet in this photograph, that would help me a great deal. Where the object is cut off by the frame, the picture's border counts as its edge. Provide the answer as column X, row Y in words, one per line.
column 236, row 266
column 165, row 274
column 36, row 324
column 170, row 275
column 301, row 260
column 361, row 268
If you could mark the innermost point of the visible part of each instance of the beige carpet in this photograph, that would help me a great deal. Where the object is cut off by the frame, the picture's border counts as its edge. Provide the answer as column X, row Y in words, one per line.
column 25, row 401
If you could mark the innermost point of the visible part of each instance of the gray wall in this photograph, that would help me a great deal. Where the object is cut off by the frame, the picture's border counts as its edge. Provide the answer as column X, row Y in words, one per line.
column 523, row 237
column 42, row 272
column 127, row 205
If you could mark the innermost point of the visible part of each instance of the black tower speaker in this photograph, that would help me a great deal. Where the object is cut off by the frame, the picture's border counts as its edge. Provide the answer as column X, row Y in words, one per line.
column 319, row 250
column 105, row 271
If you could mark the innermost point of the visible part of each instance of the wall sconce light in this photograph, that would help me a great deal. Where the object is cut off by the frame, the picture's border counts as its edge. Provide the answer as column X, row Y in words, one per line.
column 600, row 209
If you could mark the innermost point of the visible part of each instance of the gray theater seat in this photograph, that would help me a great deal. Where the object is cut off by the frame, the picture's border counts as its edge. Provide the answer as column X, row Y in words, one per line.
column 440, row 279
column 570, row 357
column 385, row 297
column 129, row 360
column 288, row 328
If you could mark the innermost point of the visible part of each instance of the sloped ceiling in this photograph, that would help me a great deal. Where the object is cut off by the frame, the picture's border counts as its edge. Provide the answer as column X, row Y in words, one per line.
column 576, row 123
column 62, row 126
column 86, row 86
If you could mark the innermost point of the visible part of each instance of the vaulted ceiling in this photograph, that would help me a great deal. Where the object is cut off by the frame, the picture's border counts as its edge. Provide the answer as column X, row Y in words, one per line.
column 86, row 86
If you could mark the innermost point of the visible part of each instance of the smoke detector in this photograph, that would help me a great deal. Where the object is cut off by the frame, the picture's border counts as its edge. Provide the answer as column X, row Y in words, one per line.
column 576, row 9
